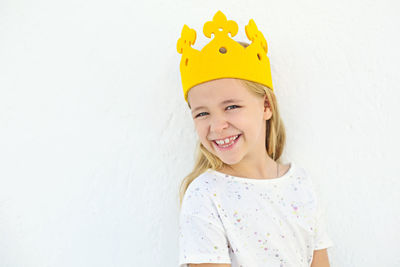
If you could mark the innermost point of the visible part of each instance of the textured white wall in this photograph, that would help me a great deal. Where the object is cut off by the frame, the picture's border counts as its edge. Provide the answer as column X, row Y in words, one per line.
column 95, row 135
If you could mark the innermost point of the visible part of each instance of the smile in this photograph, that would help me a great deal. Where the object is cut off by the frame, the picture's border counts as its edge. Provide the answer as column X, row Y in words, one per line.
column 227, row 143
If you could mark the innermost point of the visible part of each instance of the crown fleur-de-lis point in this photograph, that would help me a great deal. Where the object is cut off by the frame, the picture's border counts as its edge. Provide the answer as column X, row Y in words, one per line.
column 188, row 38
column 220, row 26
column 255, row 35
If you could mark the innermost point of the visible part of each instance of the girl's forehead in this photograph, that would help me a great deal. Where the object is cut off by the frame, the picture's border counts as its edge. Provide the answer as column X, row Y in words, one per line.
column 217, row 90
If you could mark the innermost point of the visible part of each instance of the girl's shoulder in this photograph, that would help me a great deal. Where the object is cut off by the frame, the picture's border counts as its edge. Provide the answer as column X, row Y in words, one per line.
column 307, row 180
column 199, row 196
column 203, row 186
column 203, row 182
column 300, row 173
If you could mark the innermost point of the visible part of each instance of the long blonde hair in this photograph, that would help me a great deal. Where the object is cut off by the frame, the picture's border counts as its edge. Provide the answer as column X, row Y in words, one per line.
column 275, row 138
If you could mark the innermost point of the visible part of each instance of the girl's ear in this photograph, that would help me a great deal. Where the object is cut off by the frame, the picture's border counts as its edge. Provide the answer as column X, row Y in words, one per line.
column 267, row 109
column 266, row 103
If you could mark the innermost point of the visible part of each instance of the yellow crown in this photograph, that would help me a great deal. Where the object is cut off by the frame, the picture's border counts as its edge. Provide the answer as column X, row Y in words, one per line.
column 223, row 57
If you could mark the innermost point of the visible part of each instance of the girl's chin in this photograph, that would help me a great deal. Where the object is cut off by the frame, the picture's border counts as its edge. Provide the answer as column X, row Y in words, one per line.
column 229, row 160
column 226, row 159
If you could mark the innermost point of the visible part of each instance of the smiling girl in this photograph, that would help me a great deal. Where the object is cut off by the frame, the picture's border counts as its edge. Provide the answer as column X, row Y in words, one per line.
column 241, row 206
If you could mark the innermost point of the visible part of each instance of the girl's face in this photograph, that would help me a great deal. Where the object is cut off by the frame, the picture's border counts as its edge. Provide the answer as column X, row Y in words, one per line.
column 223, row 109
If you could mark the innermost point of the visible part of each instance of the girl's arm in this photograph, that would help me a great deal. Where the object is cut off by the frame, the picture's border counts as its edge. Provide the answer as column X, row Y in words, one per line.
column 320, row 258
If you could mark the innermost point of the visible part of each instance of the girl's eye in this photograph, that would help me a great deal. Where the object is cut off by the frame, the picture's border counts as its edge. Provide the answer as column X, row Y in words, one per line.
column 228, row 107
column 198, row 115
column 233, row 106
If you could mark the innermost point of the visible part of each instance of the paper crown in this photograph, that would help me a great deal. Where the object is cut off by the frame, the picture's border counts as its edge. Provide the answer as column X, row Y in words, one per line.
column 223, row 57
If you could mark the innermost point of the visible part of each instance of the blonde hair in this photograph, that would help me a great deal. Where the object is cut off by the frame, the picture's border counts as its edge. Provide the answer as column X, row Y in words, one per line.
column 275, row 138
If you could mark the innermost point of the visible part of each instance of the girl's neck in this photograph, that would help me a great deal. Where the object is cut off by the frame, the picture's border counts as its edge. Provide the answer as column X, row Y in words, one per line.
column 265, row 169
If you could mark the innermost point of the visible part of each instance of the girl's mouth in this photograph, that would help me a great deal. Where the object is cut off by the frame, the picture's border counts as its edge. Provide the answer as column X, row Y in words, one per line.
column 227, row 146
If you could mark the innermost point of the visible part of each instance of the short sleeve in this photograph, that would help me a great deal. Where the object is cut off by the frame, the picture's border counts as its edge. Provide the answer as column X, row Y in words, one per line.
column 321, row 237
column 202, row 238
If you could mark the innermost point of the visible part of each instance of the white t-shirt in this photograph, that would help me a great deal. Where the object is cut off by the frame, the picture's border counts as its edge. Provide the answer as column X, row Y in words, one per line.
column 251, row 222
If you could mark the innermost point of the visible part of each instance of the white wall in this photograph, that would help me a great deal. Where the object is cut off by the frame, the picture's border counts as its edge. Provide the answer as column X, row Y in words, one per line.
column 95, row 135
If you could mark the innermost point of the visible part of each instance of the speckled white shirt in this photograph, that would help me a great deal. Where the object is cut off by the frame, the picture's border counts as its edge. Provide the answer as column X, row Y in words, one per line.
column 251, row 222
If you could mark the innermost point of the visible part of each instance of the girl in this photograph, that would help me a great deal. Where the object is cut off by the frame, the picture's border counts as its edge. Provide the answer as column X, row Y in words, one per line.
column 241, row 206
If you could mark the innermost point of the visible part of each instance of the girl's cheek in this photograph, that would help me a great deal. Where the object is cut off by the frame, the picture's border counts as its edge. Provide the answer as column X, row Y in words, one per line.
column 201, row 132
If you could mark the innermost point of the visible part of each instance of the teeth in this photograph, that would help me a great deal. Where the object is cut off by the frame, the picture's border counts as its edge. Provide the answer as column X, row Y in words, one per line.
column 226, row 141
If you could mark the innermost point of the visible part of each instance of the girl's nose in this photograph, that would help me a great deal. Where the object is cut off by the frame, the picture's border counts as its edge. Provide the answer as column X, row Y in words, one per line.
column 217, row 124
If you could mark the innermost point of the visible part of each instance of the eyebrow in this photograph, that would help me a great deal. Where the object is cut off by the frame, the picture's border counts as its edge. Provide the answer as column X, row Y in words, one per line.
column 222, row 103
